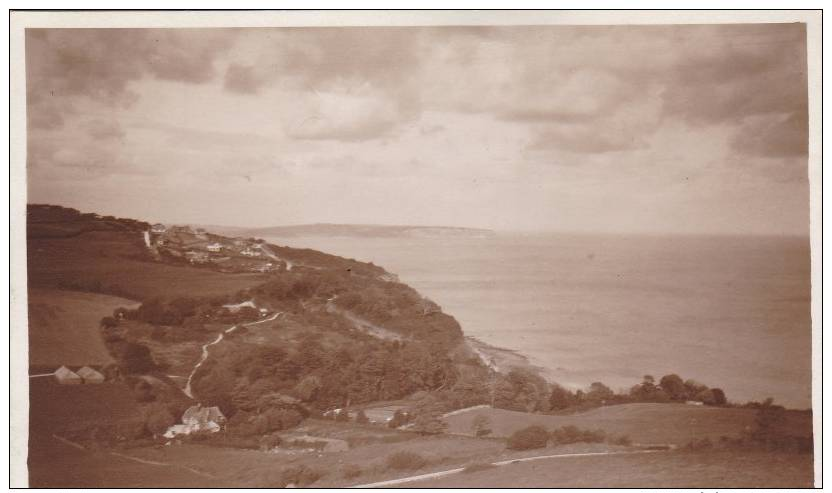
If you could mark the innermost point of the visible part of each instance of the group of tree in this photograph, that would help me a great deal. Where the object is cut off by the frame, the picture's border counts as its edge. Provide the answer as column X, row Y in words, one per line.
column 671, row 388
column 319, row 375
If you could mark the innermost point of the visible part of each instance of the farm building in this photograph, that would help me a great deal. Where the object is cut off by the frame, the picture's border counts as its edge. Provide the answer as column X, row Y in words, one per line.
column 198, row 419
column 90, row 376
column 196, row 257
column 248, row 252
column 65, row 376
column 214, row 247
column 158, row 228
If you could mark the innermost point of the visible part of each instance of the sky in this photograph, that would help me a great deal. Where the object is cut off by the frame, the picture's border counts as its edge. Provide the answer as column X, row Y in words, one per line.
column 622, row 129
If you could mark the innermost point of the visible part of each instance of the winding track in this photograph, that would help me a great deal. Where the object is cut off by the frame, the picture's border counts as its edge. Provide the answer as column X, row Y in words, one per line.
column 188, row 391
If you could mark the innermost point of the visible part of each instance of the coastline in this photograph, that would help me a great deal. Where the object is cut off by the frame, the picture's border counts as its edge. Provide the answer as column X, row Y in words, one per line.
column 502, row 360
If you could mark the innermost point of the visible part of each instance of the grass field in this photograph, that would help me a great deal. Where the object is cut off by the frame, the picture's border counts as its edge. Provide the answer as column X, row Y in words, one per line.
column 714, row 469
column 643, row 423
column 63, row 327
column 116, row 261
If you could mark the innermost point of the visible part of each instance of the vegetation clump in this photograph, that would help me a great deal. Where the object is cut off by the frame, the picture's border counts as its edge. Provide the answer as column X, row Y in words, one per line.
column 531, row 437
column 406, row 461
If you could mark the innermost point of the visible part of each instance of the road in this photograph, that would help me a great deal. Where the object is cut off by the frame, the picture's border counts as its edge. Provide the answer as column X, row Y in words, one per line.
column 440, row 474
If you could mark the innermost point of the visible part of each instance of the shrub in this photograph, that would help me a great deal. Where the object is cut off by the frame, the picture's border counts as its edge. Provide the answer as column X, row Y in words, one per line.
column 131, row 429
column 406, row 461
column 158, row 419
column 352, row 471
column 572, row 434
column 528, row 438
column 399, row 419
column 300, row 476
column 481, row 425
column 699, row 444
column 478, row 466
column 622, row 440
column 342, row 416
column 361, row 418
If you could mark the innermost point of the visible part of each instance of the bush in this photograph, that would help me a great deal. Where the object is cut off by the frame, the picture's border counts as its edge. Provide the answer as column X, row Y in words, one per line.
column 698, row 444
column 352, row 471
column 622, row 440
column 406, row 461
column 481, row 425
column 361, row 418
column 478, row 466
column 158, row 419
column 532, row 437
column 300, row 476
column 572, row 434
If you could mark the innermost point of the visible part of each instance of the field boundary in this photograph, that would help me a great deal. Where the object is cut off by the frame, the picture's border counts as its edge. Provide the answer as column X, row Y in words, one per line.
column 137, row 459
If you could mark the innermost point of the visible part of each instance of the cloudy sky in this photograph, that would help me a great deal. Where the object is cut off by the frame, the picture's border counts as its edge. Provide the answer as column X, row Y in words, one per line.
column 615, row 129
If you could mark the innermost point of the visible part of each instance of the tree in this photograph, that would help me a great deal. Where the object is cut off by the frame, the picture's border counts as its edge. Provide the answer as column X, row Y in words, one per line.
column 399, row 419
column 719, row 397
column 481, row 426
column 136, row 358
column 599, row 392
column 361, row 418
column 560, row 398
column 307, row 389
column 158, row 419
column 109, row 322
column 674, row 386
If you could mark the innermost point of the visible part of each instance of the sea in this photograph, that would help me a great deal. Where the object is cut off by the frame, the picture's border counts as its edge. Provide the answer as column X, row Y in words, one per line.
column 728, row 311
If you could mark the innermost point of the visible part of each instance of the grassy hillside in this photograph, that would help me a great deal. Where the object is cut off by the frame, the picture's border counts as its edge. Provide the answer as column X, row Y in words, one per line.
column 721, row 469
column 115, row 262
column 63, row 327
column 643, row 423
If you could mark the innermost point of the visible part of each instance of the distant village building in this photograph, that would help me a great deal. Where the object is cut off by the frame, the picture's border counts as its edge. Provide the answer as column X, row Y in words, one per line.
column 90, row 376
column 248, row 252
column 235, row 307
column 196, row 257
column 158, row 228
column 65, row 376
column 198, row 419
column 214, row 247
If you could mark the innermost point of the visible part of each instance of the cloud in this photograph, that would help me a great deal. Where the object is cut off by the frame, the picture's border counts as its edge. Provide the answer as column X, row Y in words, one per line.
column 242, row 79
column 104, row 129
column 774, row 135
column 346, row 115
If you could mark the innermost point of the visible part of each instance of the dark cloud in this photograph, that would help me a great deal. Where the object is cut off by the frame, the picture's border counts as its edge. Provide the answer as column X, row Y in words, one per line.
column 100, row 63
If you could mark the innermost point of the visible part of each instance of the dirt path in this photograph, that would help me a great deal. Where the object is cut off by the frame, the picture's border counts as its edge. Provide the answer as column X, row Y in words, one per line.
column 440, row 474
column 188, row 390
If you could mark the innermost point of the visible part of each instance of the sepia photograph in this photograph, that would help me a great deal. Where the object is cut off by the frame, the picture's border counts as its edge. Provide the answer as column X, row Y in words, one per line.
column 417, row 249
